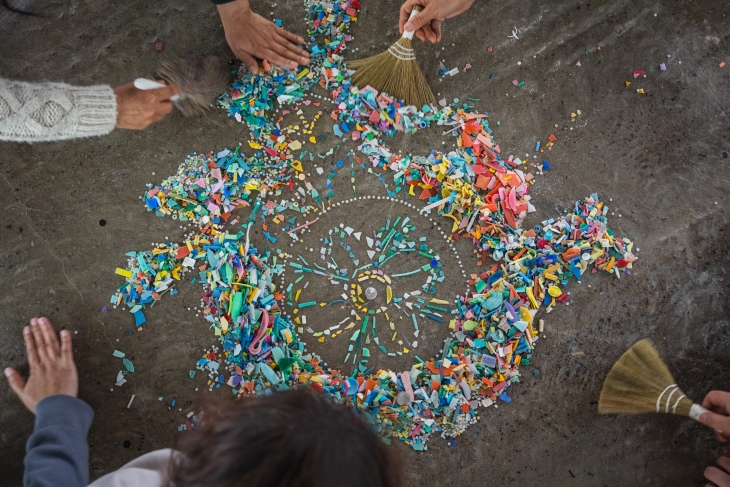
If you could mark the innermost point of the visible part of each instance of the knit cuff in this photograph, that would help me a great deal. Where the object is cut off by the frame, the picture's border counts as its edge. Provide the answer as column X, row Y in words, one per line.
column 96, row 109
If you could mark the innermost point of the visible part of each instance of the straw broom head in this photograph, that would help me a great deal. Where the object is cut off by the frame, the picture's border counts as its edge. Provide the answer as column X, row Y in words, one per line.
column 395, row 72
column 639, row 382
column 201, row 80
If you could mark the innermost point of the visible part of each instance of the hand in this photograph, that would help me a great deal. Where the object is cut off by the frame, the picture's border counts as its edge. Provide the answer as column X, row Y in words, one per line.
column 718, row 402
column 427, row 23
column 719, row 477
column 52, row 368
column 138, row 109
column 251, row 36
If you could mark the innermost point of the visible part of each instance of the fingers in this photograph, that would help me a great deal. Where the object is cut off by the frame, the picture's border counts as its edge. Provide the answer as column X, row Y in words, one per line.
column 718, row 401
column 276, row 58
column 40, row 343
column 429, row 33
column 252, row 65
column 67, row 354
column 717, row 477
column 16, row 382
column 416, row 22
column 49, row 336
column 291, row 51
column 724, row 463
column 436, row 27
column 405, row 14
column 164, row 94
column 289, row 36
column 718, row 422
column 30, row 347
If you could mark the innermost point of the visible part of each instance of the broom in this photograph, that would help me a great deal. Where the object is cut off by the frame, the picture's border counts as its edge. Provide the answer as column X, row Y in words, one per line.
column 395, row 72
column 201, row 80
column 641, row 383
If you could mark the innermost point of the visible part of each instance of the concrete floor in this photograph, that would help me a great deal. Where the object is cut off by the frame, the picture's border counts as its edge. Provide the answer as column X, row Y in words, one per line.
column 661, row 157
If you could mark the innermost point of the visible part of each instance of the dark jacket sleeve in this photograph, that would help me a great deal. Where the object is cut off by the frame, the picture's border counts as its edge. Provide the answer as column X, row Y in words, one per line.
column 57, row 454
column 219, row 2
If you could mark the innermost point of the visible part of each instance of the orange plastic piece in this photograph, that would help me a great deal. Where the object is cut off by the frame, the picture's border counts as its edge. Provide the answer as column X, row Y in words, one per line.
column 570, row 253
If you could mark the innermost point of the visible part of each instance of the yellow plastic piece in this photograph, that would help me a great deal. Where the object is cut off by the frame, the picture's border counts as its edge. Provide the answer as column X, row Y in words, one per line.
column 123, row 272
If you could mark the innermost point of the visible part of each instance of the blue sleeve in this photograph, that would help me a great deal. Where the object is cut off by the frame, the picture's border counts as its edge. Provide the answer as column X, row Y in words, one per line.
column 57, row 453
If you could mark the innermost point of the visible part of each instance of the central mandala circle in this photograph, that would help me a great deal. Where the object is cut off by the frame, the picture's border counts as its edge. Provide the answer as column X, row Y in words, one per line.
column 370, row 290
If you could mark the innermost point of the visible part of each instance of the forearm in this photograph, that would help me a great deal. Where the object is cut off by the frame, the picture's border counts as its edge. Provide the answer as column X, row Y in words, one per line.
column 57, row 453
column 36, row 112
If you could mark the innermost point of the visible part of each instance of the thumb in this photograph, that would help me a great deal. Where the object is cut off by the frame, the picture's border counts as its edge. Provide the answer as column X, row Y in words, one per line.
column 419, row 19
column 251, row 64
column 16, row 382
column 718, row 422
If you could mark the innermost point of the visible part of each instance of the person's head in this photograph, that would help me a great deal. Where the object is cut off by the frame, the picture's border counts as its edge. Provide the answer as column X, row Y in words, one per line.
column 293, row 438
column 7, row 5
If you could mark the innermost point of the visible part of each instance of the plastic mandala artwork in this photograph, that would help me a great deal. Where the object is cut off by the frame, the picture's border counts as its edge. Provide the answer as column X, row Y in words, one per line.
column 486, row 197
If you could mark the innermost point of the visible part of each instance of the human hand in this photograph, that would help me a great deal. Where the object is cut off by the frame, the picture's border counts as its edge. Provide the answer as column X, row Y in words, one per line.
column 718, row 417
column 52, row 368
column 251, row 36
column 719, row 477
column 138, row 109
column 427, row 23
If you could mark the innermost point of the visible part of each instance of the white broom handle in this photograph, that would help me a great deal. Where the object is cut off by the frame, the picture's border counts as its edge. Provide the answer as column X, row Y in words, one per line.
column 409, row 34
column 145, row 84
column 695, row 412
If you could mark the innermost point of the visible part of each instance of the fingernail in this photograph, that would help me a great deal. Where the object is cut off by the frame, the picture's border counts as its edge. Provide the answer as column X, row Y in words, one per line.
column 26, row 330
column 8, row 372
column 703, row 417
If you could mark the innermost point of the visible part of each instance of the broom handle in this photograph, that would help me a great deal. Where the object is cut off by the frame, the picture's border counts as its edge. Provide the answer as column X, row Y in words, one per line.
column 696, row 410
column 145, row 84
column 409, row 34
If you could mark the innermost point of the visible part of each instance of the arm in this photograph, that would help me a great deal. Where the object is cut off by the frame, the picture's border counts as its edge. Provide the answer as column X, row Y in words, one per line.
column 34, row 112
column 39, row 112
column 57, row 453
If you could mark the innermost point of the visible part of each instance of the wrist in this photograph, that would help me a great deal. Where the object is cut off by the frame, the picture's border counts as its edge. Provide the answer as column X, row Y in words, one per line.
column 227, row 5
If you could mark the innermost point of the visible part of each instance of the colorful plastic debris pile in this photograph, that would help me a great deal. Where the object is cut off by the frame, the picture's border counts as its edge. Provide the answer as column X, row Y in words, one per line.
column 486, row 196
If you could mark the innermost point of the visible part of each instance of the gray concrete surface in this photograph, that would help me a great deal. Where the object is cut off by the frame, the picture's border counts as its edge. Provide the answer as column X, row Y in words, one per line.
column 661, row 157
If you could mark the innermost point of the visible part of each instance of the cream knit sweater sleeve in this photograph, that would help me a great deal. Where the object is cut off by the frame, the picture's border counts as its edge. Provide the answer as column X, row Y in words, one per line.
column 36, row 112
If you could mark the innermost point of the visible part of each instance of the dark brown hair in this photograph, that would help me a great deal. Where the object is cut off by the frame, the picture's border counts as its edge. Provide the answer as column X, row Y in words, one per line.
column 7, row 5
column 296, row 438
